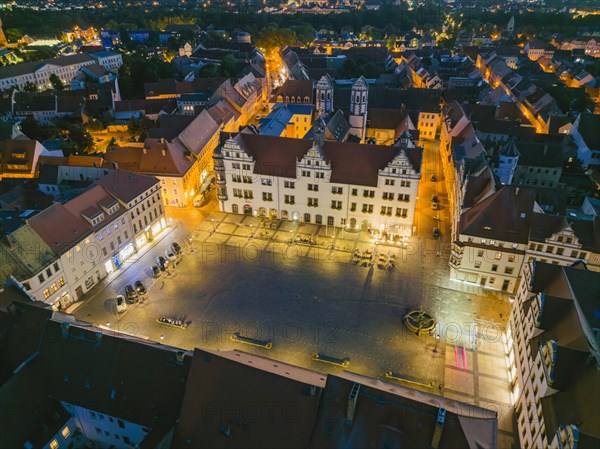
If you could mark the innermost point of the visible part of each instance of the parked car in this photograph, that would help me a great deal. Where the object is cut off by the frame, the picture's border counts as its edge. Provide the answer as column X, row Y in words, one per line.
column 199, row 200
column 120, row 303
column 156, row 271
column 131, row 294
column 433, row 178
column 176, row 248
column 139, row 288
column 163, row 263
column 170, row 255
column 436, row 232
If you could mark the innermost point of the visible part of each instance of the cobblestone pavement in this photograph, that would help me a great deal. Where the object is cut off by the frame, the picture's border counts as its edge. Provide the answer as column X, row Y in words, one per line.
column 244, row 274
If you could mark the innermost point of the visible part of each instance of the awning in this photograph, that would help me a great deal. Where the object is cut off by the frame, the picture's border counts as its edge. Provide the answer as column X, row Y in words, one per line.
column 206, row 183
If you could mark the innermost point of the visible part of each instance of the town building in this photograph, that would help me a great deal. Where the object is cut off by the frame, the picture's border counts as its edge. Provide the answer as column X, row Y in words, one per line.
column 323, row 182
column 74, row 244
column 287, row 120
column 19, row 158
column 585, row 133
column 554, row 358
column 492, row 239
column 182, row 162
column 64, row 67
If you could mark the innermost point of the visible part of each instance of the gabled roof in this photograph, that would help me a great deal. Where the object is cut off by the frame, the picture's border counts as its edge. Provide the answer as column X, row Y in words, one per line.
column 589, row 124
column 219, row 379
column 126, row 186
column 504, row 215
column 351, row 163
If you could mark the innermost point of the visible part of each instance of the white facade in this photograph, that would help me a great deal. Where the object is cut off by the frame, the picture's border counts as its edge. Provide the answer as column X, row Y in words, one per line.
column 359, row 99
column 309, row 195
column 324, row 95
column 428, row 125
column 40, row 74
column 104, row 430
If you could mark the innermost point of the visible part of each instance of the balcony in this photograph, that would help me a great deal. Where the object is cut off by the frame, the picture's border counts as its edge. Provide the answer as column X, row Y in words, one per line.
column 547, row 352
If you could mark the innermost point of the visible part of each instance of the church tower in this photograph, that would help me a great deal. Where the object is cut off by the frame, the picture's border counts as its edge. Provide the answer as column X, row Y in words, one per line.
column 508, row 158
column 324, row 95
column 511, row 25
column 3, row 41
column 359, row 98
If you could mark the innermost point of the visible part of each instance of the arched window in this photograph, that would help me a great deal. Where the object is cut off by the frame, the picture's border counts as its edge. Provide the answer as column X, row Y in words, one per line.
column 322, row 95
column 357, row 98
column 329, row 95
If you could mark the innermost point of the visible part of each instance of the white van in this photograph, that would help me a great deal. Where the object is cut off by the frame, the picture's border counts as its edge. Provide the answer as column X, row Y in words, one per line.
column 199, row 200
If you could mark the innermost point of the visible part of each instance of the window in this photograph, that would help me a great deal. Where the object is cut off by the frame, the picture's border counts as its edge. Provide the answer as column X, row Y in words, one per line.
column 367, row 208
column 330, row 221
column 53, row 287
column 480, row 253
column 266, row 182
column 53, row 444
column 267, row 196
column 369, row 193
column 236, row 178
column 121, row 425
column 248, row 194
column 354, row 192
column 289, row 185
column 306, row 173
column 313, row 187
column 337, row 190
column 289, row 199
column 494, row 267
column 385, row 210
column 477, row 263
column 388, row 196
column 508, row 270
column 336, row 204
column 46, row 293
column 314, row 202
column 320, row 175
column 65, row 432
column 247, row 179
column 61, row 281
column 41, row 277
column 112, row 246
column 401, row 212
column 104, row 253
column 56, row 266
column 246, row 166
column 389, row 182
column 235, row 166
column 498, row 256
column 404, row 183
column 237, row 193
column 352, row 207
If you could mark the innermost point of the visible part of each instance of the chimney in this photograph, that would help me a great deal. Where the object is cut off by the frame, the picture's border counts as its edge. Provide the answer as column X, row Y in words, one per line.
column 145, row 150
column 352, row 400
column 163, row 151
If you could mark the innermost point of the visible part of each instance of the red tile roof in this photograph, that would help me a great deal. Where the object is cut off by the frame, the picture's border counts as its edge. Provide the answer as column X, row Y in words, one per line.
column 126, row 186
column 351, row 163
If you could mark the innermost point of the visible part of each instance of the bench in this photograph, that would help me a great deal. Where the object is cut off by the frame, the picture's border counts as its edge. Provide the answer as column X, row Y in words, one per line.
column 345, row 362
column 408, row 379
column 251, row 341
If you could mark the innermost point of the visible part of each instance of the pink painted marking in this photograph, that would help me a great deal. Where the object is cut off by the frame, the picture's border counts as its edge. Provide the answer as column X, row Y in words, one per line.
column 464, row 354
column 458, row 364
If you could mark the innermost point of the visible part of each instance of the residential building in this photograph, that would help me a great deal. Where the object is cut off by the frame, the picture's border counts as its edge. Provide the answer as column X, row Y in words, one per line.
column 19, row 158
column 492, row 240
column 101, row 388
column 323, row 182
column 182, row 163
column 293, row 91
column 287, row 120
column 585, row 133
column 75, row 244
column 564, row 240
column 536, row 48
column 553, row 353
column 65, row 67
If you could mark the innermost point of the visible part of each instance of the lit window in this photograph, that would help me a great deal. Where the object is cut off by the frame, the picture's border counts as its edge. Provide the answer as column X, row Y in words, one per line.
column 53, row 444
column 66, row 432
column 77, row 248
column 46, row 293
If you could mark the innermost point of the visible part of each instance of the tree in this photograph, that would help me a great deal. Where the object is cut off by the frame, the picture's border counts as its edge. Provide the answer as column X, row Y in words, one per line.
column 56, row 82
column 228, row 66
column 30, row 87
column 272, row 39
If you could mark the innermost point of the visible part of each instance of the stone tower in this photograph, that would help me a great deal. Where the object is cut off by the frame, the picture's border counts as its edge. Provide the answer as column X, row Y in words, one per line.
column 324, row 96
column 359, row 98
column 511, row 25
